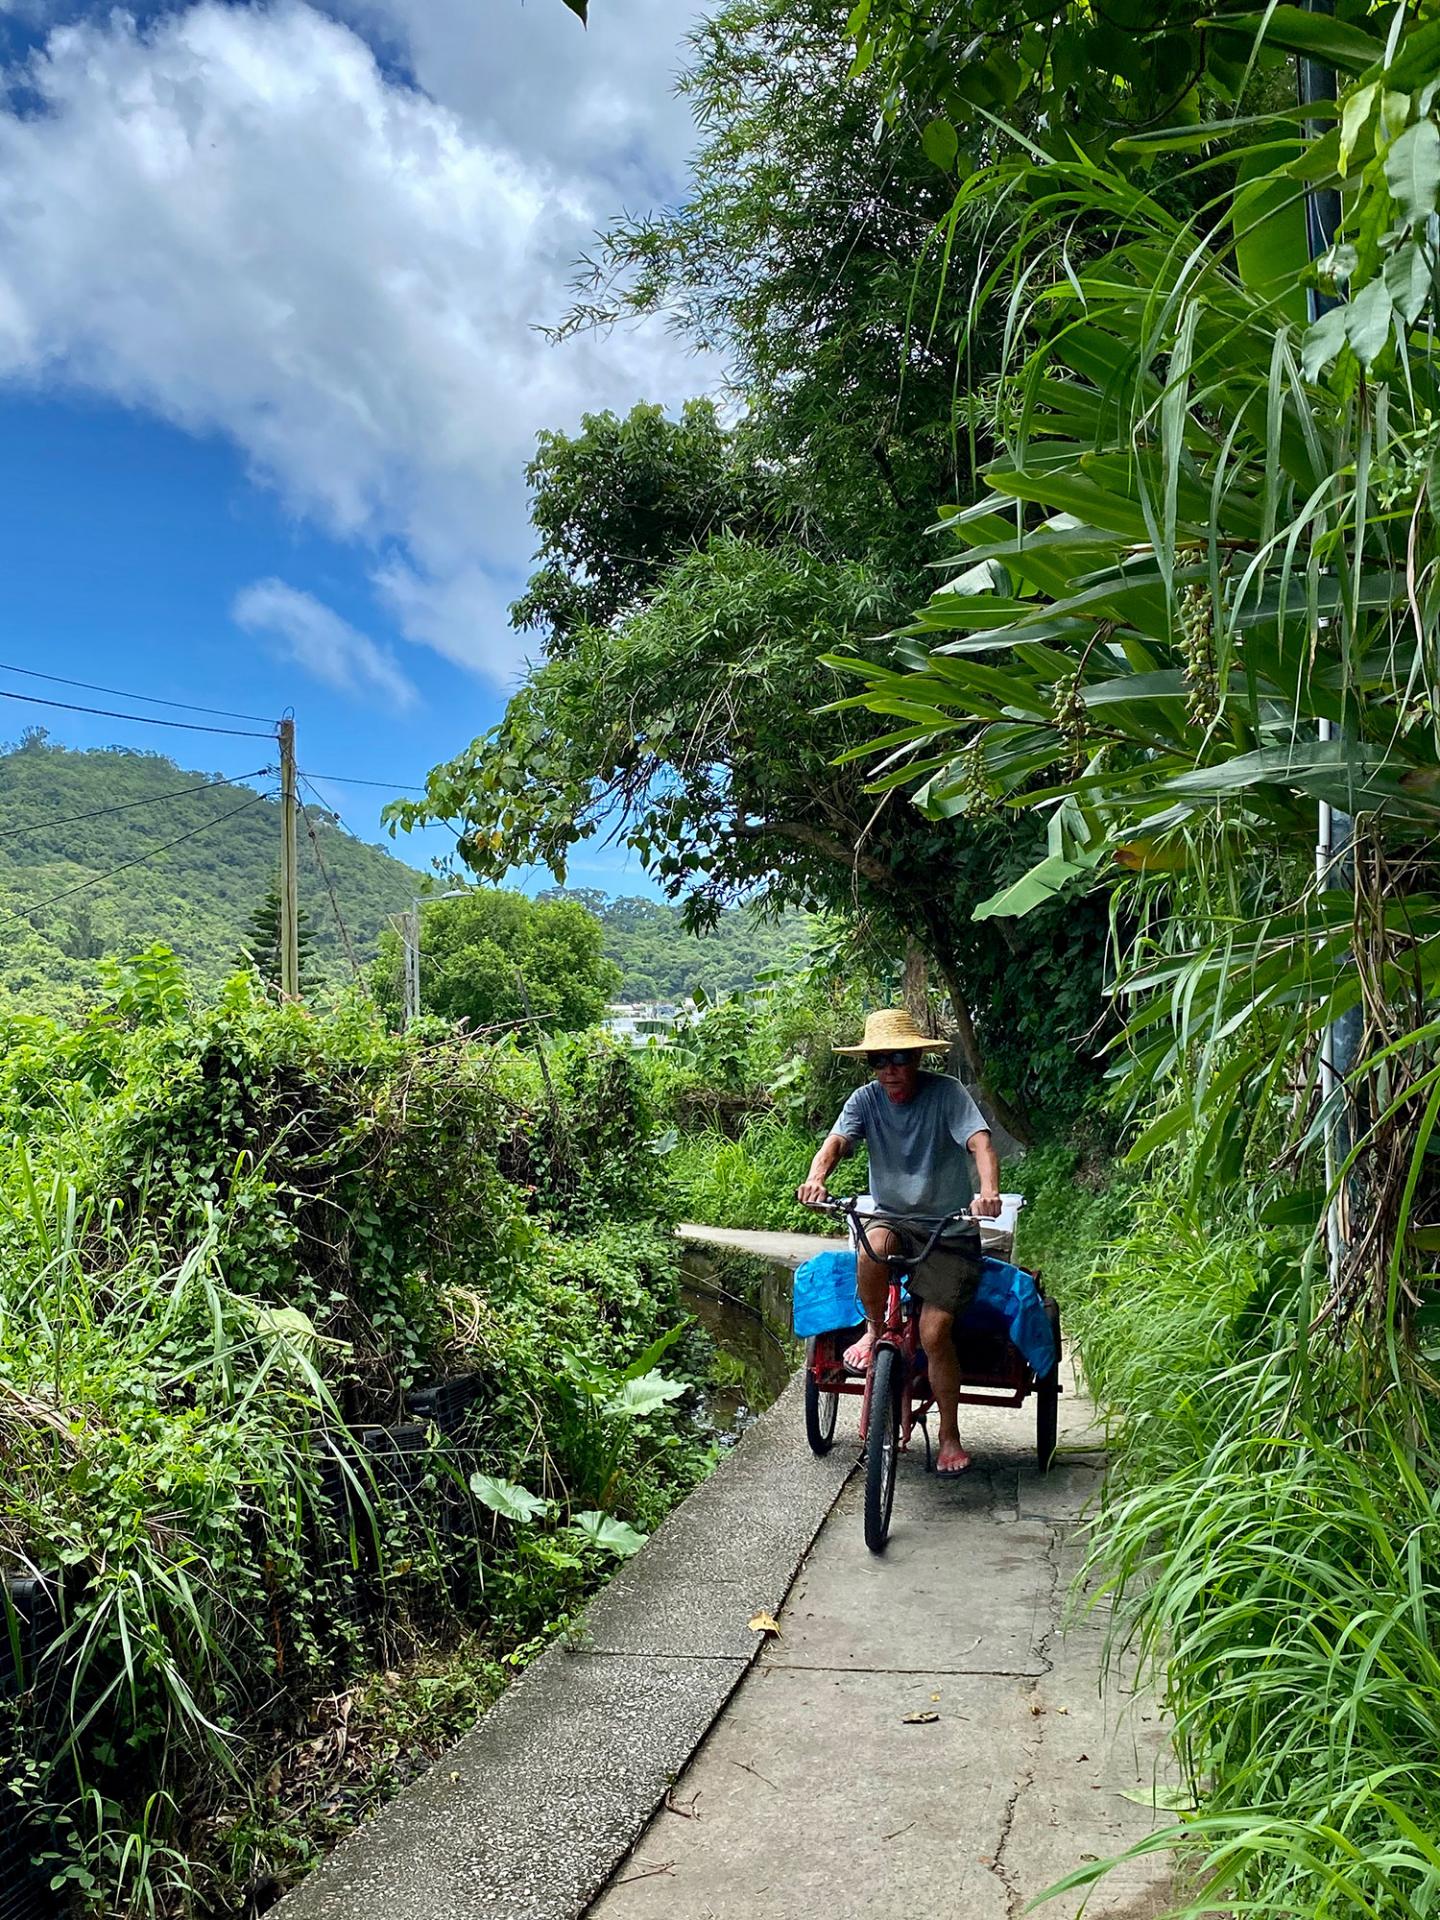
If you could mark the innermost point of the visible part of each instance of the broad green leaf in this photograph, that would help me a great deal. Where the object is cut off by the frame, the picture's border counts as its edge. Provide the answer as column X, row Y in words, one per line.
column 506, row 1499
column 1408, row 282
column 1034, row 889
column 1322, row 342
column 1354, row 117
column 1367, row 322
column 1297, row 30
column 581, row 8
column 941, row 143
column 1412, row 170
column 603, row 1530
column 639, row 1397
column 654, row 1351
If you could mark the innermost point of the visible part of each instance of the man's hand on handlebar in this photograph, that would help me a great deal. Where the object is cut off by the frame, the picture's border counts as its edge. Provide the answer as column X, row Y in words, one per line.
column 986, row 1206
column 812, row 1193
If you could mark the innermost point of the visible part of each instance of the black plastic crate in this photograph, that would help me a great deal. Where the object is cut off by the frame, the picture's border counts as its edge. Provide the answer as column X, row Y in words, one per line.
column 29, row 1621
column 24, row 1890
column 448, row 1403
column 399, row 1457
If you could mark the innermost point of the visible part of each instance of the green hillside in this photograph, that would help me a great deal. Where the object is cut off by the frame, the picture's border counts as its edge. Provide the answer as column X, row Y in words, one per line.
column 102, row 853
column 204, row 855
column 659, row 960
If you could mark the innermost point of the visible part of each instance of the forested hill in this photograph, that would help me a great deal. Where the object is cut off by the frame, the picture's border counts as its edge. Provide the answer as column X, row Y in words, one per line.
column 659, row 960
column 104, row 852
column 130, row 848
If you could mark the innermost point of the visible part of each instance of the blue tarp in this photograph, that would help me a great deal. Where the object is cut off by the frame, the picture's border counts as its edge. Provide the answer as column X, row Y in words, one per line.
column 1007, row 1298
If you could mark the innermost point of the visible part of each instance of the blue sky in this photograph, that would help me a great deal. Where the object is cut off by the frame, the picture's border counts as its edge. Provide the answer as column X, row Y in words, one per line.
column 271, row 279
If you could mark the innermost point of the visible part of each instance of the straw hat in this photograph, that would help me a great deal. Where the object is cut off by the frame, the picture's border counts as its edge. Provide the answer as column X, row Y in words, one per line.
column 888, row 1031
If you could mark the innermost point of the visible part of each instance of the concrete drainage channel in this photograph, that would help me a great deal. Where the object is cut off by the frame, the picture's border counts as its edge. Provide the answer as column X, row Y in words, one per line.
column 535, row 1808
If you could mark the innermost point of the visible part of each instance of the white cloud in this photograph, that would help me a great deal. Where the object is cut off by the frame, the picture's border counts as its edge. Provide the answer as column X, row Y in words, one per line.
column 301, row 628
column 597, row 103
column 233, row 218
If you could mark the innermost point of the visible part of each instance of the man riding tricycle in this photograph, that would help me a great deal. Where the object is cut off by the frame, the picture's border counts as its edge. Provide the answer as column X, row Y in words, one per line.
column 943, row 1324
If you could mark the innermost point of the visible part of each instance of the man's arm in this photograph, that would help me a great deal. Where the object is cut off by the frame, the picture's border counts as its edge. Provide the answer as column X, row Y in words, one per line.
column 833, row 1149
column 987, row 1165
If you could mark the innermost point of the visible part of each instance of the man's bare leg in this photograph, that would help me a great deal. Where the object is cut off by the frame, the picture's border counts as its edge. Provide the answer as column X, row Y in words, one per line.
column 873, row 1279
column 944, row 1370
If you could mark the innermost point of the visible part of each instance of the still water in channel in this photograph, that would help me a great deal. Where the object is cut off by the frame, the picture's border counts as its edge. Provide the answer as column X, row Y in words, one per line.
column 756, row 1353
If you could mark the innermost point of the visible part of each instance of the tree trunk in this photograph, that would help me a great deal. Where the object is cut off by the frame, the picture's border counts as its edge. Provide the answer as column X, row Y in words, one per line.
column 995, row 1104
column 915, row 987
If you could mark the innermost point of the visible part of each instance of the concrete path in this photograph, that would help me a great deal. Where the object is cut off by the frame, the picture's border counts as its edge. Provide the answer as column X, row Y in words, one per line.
column 814, row 1794
column 528, row 1816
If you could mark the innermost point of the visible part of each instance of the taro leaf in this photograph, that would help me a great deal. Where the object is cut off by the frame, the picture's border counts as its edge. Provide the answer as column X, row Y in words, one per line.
column 653, row 1352
column 636, row 1398
column 609, row 1534
column 505, row 1498
column 1412, row 169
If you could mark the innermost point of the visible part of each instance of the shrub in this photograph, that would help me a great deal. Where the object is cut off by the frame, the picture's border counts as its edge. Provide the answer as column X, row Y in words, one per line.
column 231, row 1240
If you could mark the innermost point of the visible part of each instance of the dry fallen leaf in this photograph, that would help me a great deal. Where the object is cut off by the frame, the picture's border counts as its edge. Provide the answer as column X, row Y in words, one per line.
column 921, row 1719
column 763, row 1622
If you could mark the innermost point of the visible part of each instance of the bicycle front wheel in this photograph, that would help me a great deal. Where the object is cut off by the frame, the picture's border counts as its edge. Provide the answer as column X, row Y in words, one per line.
column 882, row 1450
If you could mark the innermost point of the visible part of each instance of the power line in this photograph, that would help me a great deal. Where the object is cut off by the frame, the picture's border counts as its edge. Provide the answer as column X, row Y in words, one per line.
column 329, row 888
column 344, row 780
column 98, row 879
column 146, row 699
column 126, row 806
column 141, row 719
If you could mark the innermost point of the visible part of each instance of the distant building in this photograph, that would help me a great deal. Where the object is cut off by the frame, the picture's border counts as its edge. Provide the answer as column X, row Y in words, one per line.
column 643, row 1023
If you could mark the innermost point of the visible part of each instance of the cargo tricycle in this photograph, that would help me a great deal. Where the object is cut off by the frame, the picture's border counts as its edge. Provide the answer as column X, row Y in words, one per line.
column 894, row 1390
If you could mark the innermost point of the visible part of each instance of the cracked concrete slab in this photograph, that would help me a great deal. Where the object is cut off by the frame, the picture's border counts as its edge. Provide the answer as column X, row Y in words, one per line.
column 978, row 1609
column 852, row 1820
column 527, row 1816
column 814, row 1796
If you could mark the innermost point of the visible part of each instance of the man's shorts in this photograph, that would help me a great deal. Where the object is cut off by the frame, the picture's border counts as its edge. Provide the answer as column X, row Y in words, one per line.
column 949, row 1277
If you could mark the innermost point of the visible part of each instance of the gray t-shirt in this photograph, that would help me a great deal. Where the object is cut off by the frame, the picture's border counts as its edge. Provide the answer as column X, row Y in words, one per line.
column 919, row 1157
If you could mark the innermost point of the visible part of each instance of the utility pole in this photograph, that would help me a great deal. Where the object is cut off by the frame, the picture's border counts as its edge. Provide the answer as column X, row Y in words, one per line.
column 410, row 939
column 289, row 868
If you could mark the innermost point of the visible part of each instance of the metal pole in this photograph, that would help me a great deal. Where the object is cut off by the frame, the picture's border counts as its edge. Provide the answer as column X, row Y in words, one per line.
column 289, row 868
column 410, row 933
column 1334, row 861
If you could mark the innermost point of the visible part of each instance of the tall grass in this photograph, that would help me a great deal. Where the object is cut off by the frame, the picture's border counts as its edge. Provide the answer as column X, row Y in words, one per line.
column 1275, row 1563
column 229, row 1243
column 751, row 1181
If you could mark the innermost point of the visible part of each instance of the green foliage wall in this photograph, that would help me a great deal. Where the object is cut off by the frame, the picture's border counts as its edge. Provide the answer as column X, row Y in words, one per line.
column 230, row 1240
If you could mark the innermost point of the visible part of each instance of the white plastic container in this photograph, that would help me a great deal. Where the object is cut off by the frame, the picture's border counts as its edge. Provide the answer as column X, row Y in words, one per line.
column 1001, row 1227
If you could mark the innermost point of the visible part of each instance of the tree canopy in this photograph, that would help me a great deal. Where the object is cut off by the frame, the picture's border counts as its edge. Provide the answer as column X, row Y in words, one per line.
column 494, row 958
column 695, row 575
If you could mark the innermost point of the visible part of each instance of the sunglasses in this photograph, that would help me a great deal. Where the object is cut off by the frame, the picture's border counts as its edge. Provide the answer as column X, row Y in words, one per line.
column 901, row 1057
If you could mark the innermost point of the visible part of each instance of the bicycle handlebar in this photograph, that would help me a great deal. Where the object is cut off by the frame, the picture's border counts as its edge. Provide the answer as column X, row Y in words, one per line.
column 880, row 1217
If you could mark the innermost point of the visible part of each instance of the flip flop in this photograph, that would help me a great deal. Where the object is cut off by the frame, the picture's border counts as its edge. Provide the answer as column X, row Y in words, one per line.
column 850, row 1365
column 953, row 1473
